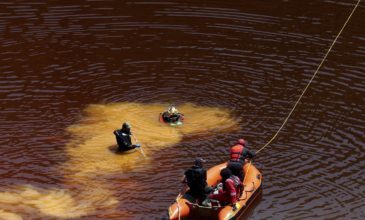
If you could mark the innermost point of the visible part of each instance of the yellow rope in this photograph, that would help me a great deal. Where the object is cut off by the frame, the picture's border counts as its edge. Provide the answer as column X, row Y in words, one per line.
column 310, row 81
column 178, row 207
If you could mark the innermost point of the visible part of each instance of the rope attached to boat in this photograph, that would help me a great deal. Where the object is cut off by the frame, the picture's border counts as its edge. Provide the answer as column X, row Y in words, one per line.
column 177, row 202
column 310, row 81
column 178, row 208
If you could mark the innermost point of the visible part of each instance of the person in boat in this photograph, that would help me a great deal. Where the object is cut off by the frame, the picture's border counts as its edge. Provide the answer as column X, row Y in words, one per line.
column 172, row 115
column 239, row 155
column 123, row 137
column 196, row 178
column 231, row 190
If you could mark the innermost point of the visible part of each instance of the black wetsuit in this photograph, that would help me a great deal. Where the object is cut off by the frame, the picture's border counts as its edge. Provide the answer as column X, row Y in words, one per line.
column 174, row 118
column 236, row 166
column 124, row 140
column 196, row 178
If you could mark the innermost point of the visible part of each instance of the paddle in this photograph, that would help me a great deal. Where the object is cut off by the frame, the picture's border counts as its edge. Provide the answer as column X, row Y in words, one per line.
column 140, row 146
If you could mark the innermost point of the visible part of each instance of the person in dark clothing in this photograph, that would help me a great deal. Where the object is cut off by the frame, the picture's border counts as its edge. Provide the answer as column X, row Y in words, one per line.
column 239, row 154
column 237, row 168
column 172, row 115
column 123, row 137
column 196, row 179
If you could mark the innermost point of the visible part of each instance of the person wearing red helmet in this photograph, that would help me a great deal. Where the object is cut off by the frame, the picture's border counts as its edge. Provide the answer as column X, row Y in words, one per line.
column 239, row 154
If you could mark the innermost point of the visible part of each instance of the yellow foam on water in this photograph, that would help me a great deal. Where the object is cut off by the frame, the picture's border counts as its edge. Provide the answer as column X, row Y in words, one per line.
column 54, row 202
column 4, row 215
column 89, row 149
column 91, row 155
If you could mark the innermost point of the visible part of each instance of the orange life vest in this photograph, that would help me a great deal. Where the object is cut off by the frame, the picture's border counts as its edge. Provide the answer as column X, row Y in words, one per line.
column 236, row 152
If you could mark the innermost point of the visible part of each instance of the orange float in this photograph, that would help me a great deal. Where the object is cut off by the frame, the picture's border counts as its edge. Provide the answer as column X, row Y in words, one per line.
column 182, row 208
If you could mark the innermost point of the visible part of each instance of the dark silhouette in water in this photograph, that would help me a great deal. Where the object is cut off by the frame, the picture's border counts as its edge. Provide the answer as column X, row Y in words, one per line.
column 123, row 137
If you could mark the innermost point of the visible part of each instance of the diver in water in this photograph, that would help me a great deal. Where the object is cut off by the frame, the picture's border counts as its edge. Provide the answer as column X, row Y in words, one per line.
column 123, row 137
column 172, row 115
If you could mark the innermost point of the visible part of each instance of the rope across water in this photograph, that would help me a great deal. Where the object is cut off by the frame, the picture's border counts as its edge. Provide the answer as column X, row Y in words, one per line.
column 310, row 81
column 300, row 97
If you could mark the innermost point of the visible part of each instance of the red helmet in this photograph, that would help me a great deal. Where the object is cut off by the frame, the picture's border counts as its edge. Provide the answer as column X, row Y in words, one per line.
column 242, row 142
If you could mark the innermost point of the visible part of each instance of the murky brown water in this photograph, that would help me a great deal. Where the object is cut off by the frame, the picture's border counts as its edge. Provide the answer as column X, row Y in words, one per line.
column 72, row 72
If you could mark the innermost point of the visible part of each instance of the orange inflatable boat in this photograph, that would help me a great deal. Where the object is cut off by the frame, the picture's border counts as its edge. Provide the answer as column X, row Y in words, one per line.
column 182, row 208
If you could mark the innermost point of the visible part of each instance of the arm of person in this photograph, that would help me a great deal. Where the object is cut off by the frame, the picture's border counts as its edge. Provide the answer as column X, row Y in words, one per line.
column 248, row 154
column 183, row 179
column 181, row 117
column 251, row 154
column 134, row 138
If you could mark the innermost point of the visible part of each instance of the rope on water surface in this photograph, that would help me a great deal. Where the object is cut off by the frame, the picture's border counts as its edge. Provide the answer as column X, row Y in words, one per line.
column 310, row 81
column 300, row 97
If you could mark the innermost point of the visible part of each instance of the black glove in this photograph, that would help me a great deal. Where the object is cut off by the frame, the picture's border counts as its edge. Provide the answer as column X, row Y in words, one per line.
column 234, row 207
column 252, row 154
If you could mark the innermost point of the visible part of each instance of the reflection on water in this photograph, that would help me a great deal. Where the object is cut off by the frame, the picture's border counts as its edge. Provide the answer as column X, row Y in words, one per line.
column 91, row 159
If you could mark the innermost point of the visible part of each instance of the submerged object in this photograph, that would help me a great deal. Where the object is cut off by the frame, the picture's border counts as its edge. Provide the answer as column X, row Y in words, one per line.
column 185, row 208
column 173, row 120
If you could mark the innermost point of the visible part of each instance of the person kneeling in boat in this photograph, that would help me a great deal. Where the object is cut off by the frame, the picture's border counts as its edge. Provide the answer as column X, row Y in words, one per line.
column 123, row 137
column 239, row 155
column 231, row 190
column 172, row 115
column 196, row 178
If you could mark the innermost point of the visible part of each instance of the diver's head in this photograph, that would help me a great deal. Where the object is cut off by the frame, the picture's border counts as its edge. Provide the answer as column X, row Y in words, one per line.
column 126, row 126
column 172, row 110
column 199, row 162
column 242, row 142
column 225, row 173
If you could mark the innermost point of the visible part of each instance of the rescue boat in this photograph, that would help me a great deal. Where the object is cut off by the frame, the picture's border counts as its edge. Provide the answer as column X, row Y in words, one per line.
column 185, row 208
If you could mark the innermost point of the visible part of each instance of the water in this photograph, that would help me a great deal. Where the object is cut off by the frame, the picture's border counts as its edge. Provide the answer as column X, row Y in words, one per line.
column 72, row 72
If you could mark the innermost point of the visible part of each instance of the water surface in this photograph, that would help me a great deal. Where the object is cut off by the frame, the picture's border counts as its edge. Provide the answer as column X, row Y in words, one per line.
column 72, row 72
